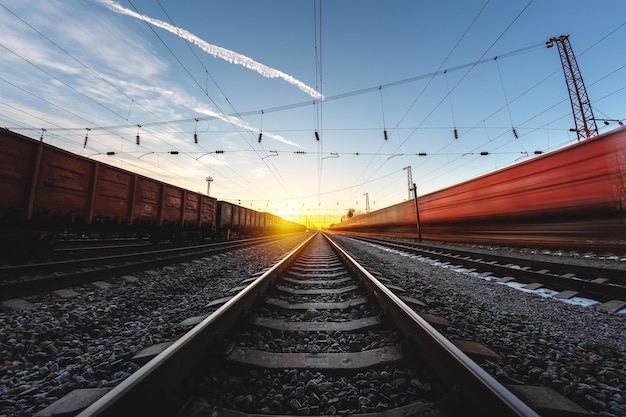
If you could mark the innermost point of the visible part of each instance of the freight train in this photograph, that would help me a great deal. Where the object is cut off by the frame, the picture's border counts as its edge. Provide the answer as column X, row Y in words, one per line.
column 45, row 190
column 576, row 194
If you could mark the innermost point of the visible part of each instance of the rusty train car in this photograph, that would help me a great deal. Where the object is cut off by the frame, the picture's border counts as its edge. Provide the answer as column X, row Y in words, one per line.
column 234, row 220
column 45, row 190
column 576, row 194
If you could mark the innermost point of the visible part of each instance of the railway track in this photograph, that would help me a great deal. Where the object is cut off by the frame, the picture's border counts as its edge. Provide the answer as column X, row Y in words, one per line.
column 315, row 334
column 605, row 284
column 20, row 280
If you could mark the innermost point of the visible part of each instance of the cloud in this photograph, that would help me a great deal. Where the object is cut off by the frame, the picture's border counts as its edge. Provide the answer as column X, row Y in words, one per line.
column 217, row 51
column 240, row 123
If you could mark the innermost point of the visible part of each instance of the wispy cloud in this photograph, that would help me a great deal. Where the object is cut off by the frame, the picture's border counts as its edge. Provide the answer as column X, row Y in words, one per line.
column 240, row 123
column 217, row 51
column 164, row 98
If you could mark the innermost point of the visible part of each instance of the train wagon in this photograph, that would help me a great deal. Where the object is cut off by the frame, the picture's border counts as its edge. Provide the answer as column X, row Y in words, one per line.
column 577, row 193
column 238, row 221
column 47, row 190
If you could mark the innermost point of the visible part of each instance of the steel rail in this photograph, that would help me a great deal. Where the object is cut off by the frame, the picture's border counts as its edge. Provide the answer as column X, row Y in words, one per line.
column 617, row 275
column 146, row 392
column 142, row 392
column 600, row 290
column 98, row 269
column 12, row 271
column 486, row 395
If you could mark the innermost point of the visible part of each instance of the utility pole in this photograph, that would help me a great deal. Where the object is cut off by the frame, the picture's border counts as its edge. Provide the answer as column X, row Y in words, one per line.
column 584, row 121
column 417, row 211
column 209, row 180
column 409, row 177
column 367, row 202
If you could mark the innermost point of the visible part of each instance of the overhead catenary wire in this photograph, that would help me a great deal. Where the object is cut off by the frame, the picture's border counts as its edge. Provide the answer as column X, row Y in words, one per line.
column 481, row 59
column 506, row 99
column 430, row 77
column 400, row 129
column 317, row 29
column 456, row 131
column 91, row 71
column 233, row 124
column 382, row 107
column 341, row 96
column 79, row 62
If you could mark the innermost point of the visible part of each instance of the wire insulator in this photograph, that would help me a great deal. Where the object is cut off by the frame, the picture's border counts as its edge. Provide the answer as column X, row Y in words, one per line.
column 260, row 136
column 515, row 133
column 483, row 153
column 385, row 134
column 195, row 138
column 85, row 144
column 456, row 133
column 317, row 136
column 220, row 151
column 137, row 139
column 538, row 152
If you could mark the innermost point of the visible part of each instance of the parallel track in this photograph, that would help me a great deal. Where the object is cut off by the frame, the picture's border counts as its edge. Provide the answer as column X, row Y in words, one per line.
column 316, row 286
column 21, row 280
column 600, row 283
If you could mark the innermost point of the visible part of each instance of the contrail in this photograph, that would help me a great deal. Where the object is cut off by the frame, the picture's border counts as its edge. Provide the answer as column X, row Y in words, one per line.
column 242, row 123
column 216, row 51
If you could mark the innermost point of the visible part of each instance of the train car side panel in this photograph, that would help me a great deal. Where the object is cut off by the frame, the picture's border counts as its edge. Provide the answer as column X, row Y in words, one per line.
column 236, row 218
column 261, row 221
column 147, row 201
column 618, row 176
column 64, row 186
column 208, row 214
column 248, row 217
column 191, row 209
column 578, row 192
column 112, row 194
column 225, row 215
column 17, row 163
column 171, row 211
column 572, row 180
column 254, row 220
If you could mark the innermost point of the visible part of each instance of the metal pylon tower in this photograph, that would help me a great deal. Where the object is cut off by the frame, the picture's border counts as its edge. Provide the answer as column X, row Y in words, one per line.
column 585, row 122
column 409, row 177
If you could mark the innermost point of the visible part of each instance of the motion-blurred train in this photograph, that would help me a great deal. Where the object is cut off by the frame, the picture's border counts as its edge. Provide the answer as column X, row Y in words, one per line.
column 45, row 190
column 576, row 194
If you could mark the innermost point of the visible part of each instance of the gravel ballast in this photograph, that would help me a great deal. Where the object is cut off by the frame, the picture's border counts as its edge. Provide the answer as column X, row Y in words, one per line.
column 61, row 344
column 576, row 350
column 58, row 344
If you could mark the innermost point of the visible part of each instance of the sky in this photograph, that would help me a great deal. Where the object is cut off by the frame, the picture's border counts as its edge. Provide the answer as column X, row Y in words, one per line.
column 307, row 108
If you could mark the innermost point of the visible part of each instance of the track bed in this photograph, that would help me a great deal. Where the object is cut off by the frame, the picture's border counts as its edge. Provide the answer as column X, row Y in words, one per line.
column 314, row 335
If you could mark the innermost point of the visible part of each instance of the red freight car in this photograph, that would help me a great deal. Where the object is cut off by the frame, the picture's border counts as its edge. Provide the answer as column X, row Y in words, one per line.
column 46, row 189
column 577, row 193
column 239, row 221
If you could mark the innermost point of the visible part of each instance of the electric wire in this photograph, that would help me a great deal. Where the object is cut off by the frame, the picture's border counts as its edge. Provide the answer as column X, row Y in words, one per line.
column 430, row 78
column 341, row 96
column 319, row 153
column 278, row 176
column 188, row 72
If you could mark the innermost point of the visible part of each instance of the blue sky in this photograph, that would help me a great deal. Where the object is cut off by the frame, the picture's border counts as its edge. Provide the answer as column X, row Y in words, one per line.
column 244, row 67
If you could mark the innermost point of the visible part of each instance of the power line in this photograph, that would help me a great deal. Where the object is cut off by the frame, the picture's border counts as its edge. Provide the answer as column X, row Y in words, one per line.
column 341, row 96
column 276, row 175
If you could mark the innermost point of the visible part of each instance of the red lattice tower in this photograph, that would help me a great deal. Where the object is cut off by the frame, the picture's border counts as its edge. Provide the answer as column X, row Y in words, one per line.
column 584, row 120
